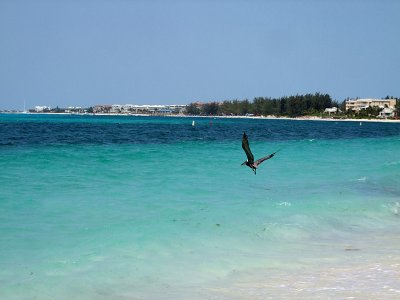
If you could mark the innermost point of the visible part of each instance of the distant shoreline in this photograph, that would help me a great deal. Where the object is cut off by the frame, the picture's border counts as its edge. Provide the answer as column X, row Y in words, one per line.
column 302, row 118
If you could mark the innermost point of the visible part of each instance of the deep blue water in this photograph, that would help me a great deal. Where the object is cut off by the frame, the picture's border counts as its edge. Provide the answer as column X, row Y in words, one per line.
column 65, row 129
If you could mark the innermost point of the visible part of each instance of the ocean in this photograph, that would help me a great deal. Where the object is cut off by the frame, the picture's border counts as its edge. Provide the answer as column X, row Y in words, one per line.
column 128, row 207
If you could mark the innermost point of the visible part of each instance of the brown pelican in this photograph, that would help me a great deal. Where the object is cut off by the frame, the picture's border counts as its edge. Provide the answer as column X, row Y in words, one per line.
column 250, row 158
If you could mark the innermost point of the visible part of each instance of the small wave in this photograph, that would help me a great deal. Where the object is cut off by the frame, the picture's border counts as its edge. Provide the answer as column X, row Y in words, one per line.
column 393, row 163
column 284, row 203
column 394, row 208
column 362, row 179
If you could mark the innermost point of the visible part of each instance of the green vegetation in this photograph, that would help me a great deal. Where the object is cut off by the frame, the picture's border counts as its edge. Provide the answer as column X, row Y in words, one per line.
column 288, row 106
column 292, row 106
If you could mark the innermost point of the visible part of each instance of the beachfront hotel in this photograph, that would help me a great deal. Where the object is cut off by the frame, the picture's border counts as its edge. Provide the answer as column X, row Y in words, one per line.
column 359, row 104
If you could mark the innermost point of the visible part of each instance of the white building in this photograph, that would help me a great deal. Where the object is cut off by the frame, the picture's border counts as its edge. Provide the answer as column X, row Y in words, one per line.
column 42, row 108
column 116, row 108
column 387, row 112
column 126, row 108
column 332, row 110
column 359, row 104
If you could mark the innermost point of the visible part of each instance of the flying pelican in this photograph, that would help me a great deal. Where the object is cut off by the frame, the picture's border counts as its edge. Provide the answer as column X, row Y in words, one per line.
column 250, row 158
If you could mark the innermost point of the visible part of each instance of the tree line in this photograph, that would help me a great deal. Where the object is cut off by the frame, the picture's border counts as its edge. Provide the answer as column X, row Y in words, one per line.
column 292, row 106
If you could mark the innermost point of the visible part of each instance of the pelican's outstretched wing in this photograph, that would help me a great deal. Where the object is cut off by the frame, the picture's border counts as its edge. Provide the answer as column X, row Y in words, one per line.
column 259, row 161
column 246, row 148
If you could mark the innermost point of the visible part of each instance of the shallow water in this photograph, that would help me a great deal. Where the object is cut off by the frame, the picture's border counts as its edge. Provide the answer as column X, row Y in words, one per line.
column 153, row 208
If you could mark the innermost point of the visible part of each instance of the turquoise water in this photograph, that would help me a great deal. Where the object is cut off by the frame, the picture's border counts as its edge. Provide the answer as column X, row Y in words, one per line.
column 152, row 208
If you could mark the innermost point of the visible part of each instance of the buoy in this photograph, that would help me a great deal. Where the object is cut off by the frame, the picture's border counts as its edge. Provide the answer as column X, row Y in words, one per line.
column 193, row 123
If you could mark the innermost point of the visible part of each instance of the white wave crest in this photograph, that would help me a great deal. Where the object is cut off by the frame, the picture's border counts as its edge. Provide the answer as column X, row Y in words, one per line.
column 394, row 208
column 284, row 203
column 362, row 179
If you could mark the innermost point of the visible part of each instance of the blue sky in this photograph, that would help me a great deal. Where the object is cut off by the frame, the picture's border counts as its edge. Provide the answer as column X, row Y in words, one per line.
column 87, row 52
